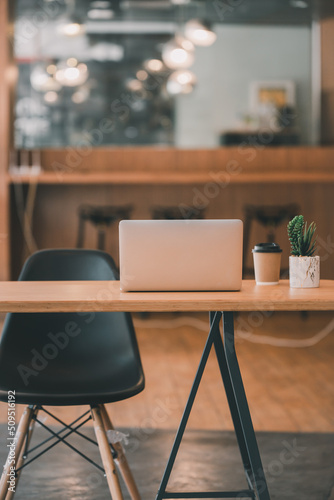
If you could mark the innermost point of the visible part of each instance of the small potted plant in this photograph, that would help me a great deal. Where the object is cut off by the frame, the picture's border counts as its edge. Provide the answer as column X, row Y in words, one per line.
column 304, row 267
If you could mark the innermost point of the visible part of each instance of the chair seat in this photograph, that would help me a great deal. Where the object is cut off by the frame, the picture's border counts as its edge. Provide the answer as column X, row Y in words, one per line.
column 73, row 398
column 54, row 369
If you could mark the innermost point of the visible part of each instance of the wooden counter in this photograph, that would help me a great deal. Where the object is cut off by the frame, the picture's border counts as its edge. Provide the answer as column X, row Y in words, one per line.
column 173, row 178
column 223, row 166
column 65, row 296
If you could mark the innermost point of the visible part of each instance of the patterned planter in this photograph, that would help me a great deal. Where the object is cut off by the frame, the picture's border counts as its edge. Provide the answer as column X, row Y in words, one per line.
column 304, row 272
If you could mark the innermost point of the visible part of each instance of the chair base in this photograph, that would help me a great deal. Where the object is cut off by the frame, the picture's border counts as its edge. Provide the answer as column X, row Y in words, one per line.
column 111, row 453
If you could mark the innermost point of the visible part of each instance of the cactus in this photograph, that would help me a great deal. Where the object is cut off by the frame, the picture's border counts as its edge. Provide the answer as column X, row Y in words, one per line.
column 301, row 237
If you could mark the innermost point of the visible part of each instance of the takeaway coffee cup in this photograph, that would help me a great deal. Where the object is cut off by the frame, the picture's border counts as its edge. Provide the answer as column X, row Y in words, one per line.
column 267, row 263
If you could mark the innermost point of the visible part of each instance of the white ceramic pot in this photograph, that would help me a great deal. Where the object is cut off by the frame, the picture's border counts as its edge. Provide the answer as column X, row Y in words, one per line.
column 304, row 271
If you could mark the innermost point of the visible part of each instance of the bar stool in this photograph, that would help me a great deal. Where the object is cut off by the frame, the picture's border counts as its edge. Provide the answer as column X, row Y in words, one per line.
column 102, row 217
column 268, row 216
column 175, row 213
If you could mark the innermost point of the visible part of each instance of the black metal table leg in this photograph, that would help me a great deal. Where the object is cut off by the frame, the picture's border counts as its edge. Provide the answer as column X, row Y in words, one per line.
column 220, row 354
column 213, row 329
column 241, row 403
column 237, row 401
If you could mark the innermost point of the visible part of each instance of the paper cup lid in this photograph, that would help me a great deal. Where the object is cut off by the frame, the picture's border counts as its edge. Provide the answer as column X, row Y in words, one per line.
column 267, row 248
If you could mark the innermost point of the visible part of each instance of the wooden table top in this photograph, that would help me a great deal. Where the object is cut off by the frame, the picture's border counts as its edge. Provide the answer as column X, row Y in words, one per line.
column 67, row 296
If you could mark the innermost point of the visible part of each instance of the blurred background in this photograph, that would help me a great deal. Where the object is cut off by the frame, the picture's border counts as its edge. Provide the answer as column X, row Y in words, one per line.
column 217, row 108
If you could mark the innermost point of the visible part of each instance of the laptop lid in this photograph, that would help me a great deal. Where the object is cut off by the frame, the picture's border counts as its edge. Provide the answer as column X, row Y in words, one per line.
column 175, row 255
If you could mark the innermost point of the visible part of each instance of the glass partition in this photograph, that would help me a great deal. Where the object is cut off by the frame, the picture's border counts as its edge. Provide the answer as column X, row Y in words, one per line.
column 164, row 72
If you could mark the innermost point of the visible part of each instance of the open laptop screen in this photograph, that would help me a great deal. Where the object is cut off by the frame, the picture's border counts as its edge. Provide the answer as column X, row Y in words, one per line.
column 175, row 255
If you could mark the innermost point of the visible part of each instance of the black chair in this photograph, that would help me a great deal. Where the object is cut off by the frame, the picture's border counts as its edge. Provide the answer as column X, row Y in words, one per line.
column 64, row 359
column 101, row 217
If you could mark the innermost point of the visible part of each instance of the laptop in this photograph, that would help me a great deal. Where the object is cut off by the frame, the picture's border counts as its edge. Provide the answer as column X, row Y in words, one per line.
column 180, row 255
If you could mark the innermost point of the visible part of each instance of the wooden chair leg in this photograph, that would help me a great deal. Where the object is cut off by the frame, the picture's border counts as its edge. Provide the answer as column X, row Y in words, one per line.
column 20, row 460
column 106, row 455
column 121, row 460
column 20, row 438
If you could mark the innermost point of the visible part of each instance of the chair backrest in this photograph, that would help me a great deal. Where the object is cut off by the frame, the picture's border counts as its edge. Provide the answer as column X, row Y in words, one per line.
column 69, row 265
column 85, row 343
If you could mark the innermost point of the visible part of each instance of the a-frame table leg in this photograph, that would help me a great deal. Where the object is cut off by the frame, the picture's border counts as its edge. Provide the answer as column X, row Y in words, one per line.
column 242, row 422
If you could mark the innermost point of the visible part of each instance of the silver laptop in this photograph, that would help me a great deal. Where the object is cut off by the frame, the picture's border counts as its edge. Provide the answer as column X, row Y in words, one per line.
column 175, row 255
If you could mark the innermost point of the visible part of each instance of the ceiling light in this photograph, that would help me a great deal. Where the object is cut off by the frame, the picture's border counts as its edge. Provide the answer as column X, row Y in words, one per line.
column 38, row 78
column 101, row 14
column 71, row 73
column 42, row 81
column 80, row 96
column 51, row 69
column 200, row 33
column 299, row 4
column 51, row 97
column 71, row 76
column 104, row 51
column 72, row 62
column 72, row 29
column 181, row 82
column 154, row 65
column 178, row 53
column 142, row 75
column 180, row 2
column 134, row 85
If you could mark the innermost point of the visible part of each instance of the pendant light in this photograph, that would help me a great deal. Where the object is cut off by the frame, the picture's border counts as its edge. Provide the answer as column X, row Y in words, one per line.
column 181, row 82
column 71, row 73
column 200, row 33
column 178, row 53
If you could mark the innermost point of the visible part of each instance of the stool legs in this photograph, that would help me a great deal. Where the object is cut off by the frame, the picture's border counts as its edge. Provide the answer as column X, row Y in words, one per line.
column 121, row 460
column 20, row 438
column 101, row 235
column 101, row 238
column 81, row 233
column 106, row 455
column 271, row 235
column 247, row 228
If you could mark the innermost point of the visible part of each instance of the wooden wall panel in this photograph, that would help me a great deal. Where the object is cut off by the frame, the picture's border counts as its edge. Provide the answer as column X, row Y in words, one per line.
column 327, row 81
column 5, row 74
column 252, row 160
column 55, row 219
